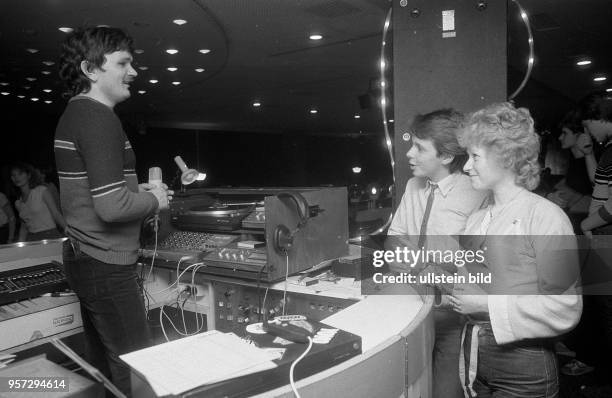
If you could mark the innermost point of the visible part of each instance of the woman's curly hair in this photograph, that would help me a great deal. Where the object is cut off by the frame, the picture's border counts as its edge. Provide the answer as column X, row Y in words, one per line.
column 508, row 132
column 91, row 45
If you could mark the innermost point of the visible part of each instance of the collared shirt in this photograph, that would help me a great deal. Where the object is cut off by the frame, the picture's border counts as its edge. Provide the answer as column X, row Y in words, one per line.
column 454, row 201
column 523, row 238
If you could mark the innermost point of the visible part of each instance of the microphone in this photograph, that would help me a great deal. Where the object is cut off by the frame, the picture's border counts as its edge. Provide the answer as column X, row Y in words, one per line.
column 188, row 175
column 155, row 176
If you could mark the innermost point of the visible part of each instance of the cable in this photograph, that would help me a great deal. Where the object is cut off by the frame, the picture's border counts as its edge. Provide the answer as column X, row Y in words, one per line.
column 286, row 276
column 293, row 387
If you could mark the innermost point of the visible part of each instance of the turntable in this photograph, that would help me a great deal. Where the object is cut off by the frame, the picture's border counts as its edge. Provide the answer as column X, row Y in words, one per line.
column 217, row 216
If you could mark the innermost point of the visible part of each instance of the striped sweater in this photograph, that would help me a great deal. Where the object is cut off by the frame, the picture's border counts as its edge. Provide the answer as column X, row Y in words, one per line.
column 99, row 189
column 602, row 191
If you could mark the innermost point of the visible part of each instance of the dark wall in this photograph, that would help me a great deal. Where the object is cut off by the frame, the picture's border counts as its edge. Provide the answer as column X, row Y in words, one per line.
column 465, row 72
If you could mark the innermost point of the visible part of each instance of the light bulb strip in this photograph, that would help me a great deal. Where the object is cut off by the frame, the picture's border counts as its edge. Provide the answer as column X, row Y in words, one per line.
column 531, row 59
column 383, row 108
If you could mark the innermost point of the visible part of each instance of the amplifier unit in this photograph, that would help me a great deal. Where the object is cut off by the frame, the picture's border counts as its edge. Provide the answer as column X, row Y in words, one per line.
column 278, row 231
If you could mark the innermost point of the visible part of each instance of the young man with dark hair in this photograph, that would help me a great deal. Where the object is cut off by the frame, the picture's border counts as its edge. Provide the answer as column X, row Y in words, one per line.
column 101, row 199
column 595, row 112
column 437, row 201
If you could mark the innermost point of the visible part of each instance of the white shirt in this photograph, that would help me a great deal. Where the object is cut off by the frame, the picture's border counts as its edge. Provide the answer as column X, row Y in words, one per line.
column 454, row 201
column 535, row 230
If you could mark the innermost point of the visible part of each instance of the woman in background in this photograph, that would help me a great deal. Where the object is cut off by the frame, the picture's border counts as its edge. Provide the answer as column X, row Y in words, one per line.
column 39, row 213
column 7, row 221
column 530, row 251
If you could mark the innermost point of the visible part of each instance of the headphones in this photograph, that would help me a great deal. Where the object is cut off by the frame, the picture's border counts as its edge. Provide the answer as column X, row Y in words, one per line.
column 282, row 238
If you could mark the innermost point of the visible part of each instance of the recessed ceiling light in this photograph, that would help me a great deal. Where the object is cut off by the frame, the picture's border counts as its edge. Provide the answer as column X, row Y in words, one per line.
column 357, row 116
column 4, row 84
column 199, row 70
column 5, row 93
column 48, row 63
column 256, row 104
column 313, row 111
column 600, row 78
column 176, row 83
column 66, row 29
column 172, row 68
column 204, row 50
column 143, row 67
column 609, row 90
column 34, row 99
column 21, row 96
column 180, row 21
column 153, row 81
column 171, row 51
column 47, row 90
column 31, row 79
column 48, row 101
column 46, row 72
column 32, row 50
column 141, row 91
column 583, row 62
column 315, row 37
column 139, row 51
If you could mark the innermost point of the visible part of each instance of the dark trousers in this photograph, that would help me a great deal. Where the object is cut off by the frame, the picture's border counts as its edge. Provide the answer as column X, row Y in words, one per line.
column 516, row 370
column 446, row 381
column 112, row 309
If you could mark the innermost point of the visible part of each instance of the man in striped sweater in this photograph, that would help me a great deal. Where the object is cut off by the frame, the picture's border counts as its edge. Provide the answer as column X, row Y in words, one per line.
column 595, row 111
column 101, row 199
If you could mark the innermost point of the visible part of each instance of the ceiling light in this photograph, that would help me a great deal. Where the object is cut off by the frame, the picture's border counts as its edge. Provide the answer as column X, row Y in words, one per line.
column 48, row 63
column 143, row 67
column 176, row 83
column 46, row 72
column 172, row 68
column 583, row 62
column 356, row 169
column 5, row 93
column 47, row 90
column 199, row 70
column 153, row 81
column 315, row 37
column 204, row 50
column 171, row 51
column 26, row 87
column 599, row 78
column 21, row 96
column 34, row 99
column 66, row 29
column 139, row 51
column 256, row 104
column 391, row 120
column 31, row 79
column 180, row 21
column 314, row 111
column 141, row 91
column 609, row 90
column 4, row 84
column 48, row 101
column 32, row 50
column 102, row 26
column 357, row 117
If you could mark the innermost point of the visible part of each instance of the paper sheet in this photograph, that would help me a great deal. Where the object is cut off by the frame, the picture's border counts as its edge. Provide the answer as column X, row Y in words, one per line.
column 376, row 318
column 190, row 362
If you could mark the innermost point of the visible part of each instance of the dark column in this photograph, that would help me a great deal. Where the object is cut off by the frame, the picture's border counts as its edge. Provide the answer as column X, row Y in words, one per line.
column 463, row 67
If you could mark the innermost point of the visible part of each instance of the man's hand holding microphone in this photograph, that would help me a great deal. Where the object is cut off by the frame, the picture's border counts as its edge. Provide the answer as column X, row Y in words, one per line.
column 157, row 188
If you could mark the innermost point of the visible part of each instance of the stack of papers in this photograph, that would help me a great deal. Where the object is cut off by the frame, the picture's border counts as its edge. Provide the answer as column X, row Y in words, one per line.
column 190, row 362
